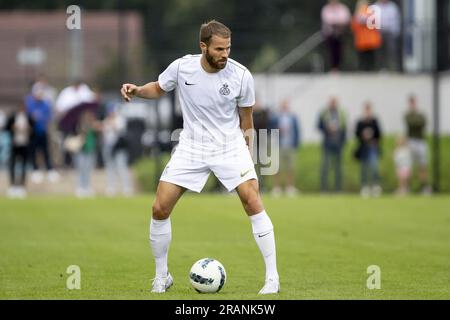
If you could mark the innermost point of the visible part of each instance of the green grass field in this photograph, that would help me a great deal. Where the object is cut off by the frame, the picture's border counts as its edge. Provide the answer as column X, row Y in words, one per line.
column 324, row 244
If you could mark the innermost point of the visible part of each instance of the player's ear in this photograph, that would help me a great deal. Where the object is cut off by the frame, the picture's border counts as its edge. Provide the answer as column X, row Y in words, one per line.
column 203, row 47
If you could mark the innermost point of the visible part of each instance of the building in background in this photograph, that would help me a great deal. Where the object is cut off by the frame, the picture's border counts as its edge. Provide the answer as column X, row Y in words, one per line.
column 108, row 45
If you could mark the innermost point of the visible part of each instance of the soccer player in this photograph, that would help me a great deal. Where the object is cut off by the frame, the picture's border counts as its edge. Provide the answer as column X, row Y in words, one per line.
column 216, row 96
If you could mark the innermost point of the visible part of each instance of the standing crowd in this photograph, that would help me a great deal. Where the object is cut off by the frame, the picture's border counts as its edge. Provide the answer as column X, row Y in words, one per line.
column 377, row 43
column 70, row 126
column 411, row 148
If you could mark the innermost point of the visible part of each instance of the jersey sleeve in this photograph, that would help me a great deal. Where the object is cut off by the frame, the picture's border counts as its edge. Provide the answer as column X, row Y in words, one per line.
column 168, row 80
column 247, row 95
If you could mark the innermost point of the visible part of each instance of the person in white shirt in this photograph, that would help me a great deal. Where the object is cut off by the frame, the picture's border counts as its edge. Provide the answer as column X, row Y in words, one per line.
column 72, row 96
column 115, row 153
column 390, row 21
column 403, row 165
column 335, row 21
column 216, row 95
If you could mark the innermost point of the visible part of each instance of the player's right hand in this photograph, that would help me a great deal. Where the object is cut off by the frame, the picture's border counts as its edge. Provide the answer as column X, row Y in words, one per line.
column 128, row 91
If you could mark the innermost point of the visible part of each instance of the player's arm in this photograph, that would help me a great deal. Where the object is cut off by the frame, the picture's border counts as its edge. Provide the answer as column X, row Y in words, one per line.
column 151, row 90
column 246, row 124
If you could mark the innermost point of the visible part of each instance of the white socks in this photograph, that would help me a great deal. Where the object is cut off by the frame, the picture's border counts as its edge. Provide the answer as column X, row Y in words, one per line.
column 263, row 233
column 160, row 237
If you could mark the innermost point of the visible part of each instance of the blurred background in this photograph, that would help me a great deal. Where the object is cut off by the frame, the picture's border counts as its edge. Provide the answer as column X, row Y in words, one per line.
column 360, row 94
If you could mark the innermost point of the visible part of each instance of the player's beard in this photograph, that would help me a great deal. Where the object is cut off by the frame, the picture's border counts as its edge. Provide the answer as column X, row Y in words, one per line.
column 216, row 64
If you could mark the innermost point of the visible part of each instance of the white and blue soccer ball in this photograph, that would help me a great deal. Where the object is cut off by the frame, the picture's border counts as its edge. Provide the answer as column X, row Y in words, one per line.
column 207, row 276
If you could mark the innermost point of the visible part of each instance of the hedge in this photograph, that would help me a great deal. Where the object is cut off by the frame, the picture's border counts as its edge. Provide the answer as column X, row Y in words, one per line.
column 308, row 169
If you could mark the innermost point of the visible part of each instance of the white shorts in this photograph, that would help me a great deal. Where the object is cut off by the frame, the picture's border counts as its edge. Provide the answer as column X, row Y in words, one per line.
column 190, row 166
column 419, row 151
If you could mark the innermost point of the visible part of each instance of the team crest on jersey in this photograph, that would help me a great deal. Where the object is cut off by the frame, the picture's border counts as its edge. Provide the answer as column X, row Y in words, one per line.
column 224, row 90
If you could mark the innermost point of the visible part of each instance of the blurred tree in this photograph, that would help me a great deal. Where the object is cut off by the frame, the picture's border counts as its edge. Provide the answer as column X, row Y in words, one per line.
column 263, row 30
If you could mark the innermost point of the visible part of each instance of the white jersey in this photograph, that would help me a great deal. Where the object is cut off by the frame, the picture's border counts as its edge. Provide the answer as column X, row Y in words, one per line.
column 209, row 101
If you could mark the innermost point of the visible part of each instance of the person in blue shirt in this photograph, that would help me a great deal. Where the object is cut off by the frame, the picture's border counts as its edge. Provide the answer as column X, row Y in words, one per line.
column 286, row 121
column 40, row 111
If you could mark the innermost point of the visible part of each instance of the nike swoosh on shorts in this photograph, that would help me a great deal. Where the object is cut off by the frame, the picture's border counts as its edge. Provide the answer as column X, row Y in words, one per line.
column 245, row 172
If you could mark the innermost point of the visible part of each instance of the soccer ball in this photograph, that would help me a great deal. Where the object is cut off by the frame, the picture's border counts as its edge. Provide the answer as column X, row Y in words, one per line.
column 207, row 276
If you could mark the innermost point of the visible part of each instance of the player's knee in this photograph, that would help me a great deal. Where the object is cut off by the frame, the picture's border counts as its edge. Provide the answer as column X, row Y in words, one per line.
column 159, row 211
column 253, row 203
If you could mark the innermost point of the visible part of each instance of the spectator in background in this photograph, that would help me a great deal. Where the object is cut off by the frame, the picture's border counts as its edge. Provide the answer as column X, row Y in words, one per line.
column 70, row 97
column 335, row 20
column 332, row 124
column 389, row 54
column 20, row 126
column 115, row 153
column 40, row 111
column 260, row 123
column 368, row 133
column 403, row 164
column 85, row 157
column 48, row 92
column 416, row 123
column 49, row 95
column 286, row 121
column 4, row 141
column 366, row 40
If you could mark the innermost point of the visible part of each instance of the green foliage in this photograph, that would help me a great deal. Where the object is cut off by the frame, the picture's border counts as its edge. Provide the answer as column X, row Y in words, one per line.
column 308, row 169
column 146, row 175
column 171, row 26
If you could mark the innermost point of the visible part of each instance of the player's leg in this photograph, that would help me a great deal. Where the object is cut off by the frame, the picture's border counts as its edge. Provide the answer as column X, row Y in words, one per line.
column 185, row 170
column 236, row 172
column 167, row 195
column 263, row 233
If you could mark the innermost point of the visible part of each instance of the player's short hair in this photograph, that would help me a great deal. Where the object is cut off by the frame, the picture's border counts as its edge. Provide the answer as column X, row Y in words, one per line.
column 213, row 27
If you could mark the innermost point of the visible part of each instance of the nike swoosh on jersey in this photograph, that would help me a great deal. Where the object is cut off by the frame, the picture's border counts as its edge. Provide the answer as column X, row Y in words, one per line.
column 245, row 172
column 189, row 84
